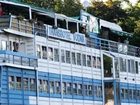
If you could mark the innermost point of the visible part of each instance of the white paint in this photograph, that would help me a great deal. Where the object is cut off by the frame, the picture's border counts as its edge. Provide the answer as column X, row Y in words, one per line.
column 58, row 101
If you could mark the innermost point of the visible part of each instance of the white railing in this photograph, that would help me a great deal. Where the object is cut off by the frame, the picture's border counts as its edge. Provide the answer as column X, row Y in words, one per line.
column 17, row 59
column 113, row 46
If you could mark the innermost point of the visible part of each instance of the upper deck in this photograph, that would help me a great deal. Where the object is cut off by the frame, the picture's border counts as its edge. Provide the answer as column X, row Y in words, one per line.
column 27, row 28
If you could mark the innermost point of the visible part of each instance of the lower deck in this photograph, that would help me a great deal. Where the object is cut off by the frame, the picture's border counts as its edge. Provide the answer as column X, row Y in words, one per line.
column 32, row 87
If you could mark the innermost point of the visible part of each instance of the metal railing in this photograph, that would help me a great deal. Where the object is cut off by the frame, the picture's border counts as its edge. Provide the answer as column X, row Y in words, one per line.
column 113, row 46
column 17, row 58
column 28, row 27
column 22, row 25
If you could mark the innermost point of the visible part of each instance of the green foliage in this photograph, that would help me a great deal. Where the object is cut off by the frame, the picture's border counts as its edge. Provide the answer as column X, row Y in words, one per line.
column 110, row 10
column 48, row 4
column 67, row 7
column 72, row 7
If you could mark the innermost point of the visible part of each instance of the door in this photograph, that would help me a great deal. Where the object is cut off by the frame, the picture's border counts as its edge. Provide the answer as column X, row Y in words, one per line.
column 108, row 65
column 112, row 92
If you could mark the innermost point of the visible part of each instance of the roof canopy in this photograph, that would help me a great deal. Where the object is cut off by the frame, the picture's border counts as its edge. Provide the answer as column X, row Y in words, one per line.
column 122, row 33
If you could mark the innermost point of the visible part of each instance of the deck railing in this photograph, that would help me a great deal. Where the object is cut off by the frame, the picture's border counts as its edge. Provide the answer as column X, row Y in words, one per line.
column 26, row 26
column 17, row 58
column 113, row 46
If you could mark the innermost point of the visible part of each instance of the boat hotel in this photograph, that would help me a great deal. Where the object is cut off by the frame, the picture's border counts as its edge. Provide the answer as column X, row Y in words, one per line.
column 51, row 59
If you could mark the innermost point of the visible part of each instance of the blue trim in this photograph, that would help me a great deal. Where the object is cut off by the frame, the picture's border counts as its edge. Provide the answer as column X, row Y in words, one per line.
column 129, row 86
column 11, row 95
column 115, row 97
column 17, row 54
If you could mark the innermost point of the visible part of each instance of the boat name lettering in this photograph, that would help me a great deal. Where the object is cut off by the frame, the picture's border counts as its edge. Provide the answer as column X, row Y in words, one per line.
column 66, row 35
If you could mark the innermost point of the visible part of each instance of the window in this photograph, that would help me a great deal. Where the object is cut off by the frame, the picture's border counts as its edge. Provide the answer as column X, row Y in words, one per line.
column 38, row 51
column 130, row 94
column 78, row 59
column 57, row 87
column 88, row 90
column 75, row 88
column 44, row 52
column 25, row 83
column 126, row 94
column 122, row 64
column 56, row 55
column 84, row 59
column 32, row 84
column 99, row 92
column 93, row 61
column 15, row 46
column 129, row 66
column 40, row 85
column 134, row 94
column 3, row 45
column 136, row 67
column 62, row 56
column 138, row 94
column 122, row 93
column 88, row 60
column 73, row 58
column 98, row 62
column 95, row 90
column 10, row 46
column 69, row 91
column 50, row 53
column 11, row 82
column 51, row 87
column 43, row 85
column 18, row 82
column 80, row 89
column 67, row 56
column 64, row 87
column 132, row 66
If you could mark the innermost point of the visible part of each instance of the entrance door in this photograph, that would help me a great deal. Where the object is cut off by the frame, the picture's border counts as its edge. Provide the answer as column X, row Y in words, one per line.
column 109, row 93
column 108, row 65
column 112, row 92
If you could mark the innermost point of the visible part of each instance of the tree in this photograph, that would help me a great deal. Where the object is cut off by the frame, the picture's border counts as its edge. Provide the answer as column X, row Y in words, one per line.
column 59, row 6
column 109, row 10
column 67, row 7
column 48, row 4
column 71, row 7
column 133, row 24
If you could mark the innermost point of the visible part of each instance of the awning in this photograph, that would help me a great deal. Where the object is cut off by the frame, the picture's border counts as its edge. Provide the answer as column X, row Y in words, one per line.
column 110, row 25
column 27, row 35
column 121, row 33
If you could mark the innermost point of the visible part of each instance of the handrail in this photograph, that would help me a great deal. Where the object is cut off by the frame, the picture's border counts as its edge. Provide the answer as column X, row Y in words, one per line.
column 19, row 54
column 17, row 58
column 27, row 26
column 113, row 46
